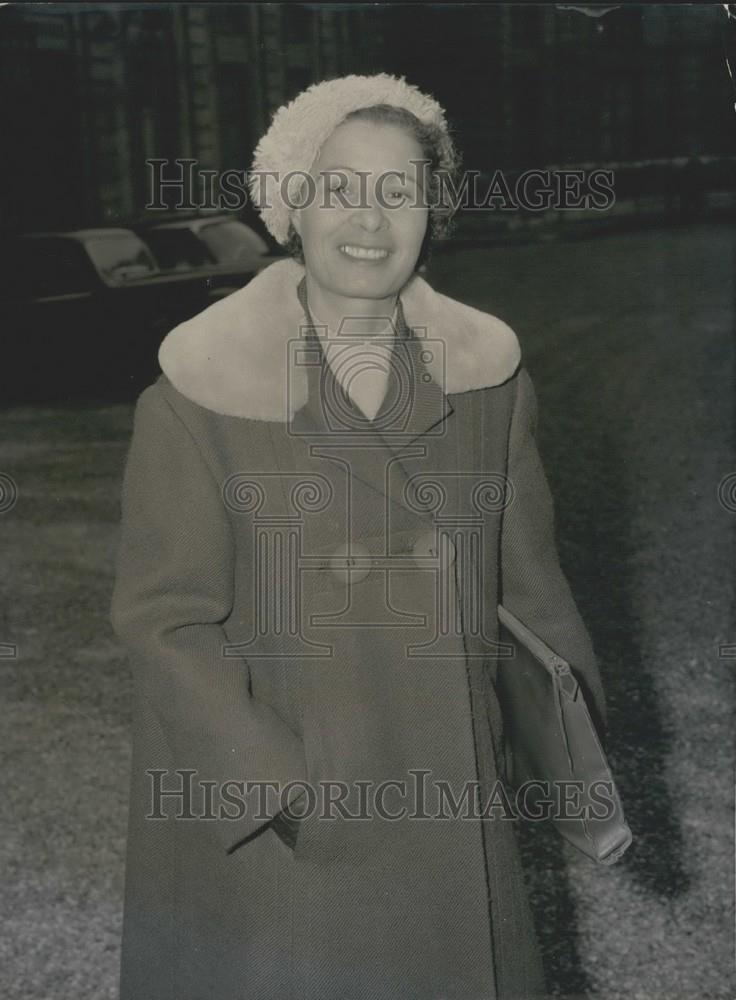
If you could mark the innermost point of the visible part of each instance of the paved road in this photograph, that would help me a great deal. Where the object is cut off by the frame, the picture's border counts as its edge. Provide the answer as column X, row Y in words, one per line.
column 630, row 343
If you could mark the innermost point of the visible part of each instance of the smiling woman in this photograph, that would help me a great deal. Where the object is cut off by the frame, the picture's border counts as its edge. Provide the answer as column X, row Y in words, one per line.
column 329, row 490
column 425, row 179
column 361, row 257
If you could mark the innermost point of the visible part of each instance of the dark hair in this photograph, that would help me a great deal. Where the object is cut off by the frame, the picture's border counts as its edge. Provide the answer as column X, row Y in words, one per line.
column 443, row 162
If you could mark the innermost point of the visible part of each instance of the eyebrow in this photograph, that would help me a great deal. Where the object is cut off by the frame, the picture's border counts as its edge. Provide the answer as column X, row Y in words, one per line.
column 407, row 178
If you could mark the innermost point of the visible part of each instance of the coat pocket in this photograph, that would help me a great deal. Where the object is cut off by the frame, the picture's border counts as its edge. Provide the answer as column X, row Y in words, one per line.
column 286, row 827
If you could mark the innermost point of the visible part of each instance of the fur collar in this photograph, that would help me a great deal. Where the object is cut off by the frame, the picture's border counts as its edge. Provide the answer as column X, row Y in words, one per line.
column 233, row 357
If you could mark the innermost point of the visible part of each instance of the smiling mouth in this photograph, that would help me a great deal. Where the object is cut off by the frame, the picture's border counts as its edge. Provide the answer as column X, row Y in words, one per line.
column 363, row 253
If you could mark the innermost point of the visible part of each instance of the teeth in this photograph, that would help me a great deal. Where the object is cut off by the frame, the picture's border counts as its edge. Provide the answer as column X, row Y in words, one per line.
column 364, row 253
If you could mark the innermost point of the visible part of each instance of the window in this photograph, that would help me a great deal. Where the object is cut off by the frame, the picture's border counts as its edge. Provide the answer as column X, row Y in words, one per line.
column 120, row 256
column 232, row 241
column 178, row 249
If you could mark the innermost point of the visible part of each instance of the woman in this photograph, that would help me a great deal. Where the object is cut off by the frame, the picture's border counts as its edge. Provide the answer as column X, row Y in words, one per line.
column 329, row 489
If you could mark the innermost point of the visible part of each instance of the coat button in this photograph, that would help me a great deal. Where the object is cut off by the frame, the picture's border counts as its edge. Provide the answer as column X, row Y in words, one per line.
column 351, row 563
column 425, row 549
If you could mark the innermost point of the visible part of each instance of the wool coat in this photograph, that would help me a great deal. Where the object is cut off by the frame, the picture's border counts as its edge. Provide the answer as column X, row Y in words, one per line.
column 308, row 599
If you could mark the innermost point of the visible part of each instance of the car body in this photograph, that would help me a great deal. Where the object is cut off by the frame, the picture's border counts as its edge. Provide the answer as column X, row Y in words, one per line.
column 223, row 248
column 84, row 312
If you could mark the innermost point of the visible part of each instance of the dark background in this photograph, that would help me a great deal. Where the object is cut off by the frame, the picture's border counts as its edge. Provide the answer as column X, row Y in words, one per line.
column 91, row 91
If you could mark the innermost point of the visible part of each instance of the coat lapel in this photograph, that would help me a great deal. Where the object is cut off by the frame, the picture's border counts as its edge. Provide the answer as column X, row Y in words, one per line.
column 413, row 472
column 414, row 408
column 415, row 404
column 418, row 461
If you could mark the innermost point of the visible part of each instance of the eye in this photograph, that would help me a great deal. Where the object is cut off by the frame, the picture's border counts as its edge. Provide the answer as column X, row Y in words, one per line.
column 396, row 197
column 336, row 182
column 337, row 190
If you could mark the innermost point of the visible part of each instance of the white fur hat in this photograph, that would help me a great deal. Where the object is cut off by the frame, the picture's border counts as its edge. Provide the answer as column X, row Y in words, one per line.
column 298, row 130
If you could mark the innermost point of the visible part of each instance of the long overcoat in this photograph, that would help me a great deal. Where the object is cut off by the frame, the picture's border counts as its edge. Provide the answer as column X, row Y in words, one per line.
column 308, row 599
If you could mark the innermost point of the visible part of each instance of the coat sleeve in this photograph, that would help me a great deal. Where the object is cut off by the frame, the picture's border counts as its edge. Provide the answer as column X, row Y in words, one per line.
column 533, row 585
column 173, row 589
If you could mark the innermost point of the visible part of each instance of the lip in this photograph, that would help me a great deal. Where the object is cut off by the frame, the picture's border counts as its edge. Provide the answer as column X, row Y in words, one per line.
column 373, row 255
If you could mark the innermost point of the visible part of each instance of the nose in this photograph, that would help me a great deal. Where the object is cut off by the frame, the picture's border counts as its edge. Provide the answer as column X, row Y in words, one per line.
column 370, row 217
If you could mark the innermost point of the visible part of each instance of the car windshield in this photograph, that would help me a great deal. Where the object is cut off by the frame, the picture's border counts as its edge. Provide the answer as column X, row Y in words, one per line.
column 120, row 256
column 230, row 241
column 178, row 249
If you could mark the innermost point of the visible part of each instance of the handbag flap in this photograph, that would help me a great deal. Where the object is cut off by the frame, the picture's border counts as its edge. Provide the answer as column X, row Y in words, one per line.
column 554, row 755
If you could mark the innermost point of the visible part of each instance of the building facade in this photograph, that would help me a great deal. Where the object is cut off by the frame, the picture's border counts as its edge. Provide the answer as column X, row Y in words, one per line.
column 93, row 92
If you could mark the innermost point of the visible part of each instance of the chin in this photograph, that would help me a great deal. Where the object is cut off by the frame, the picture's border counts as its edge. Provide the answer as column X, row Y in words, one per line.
column 367, row 290
column 371, row 286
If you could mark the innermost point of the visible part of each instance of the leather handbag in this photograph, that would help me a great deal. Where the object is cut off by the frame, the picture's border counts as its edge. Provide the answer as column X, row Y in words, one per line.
column 555, row 762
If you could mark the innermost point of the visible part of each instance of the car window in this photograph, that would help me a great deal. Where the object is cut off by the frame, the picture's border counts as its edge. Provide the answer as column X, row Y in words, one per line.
column 120, row 257
column 178, row 249
column 231, row 241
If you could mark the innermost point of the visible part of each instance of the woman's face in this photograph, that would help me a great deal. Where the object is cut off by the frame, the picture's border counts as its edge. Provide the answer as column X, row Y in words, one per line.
column 366, row 252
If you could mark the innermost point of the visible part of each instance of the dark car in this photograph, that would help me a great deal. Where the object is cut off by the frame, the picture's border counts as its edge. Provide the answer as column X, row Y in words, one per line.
column 83, row 313
column 225, row 249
